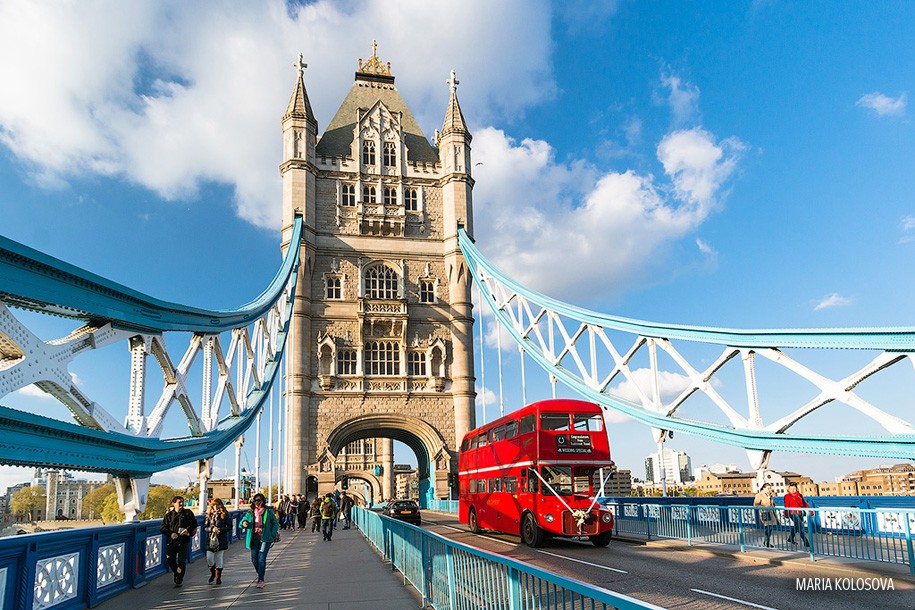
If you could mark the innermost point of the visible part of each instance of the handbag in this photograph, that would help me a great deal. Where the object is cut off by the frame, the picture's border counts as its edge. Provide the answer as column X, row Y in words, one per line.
column 213, row 542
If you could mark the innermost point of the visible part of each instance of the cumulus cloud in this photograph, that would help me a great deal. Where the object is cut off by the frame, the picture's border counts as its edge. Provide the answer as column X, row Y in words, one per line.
column 706, row 249
column 832, row 300
column 883, row 105
column 489, row 395
column 548, row 224
column 174, row 95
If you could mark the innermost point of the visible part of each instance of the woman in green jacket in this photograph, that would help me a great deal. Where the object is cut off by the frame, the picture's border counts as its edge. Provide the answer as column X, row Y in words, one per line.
column 261, row 526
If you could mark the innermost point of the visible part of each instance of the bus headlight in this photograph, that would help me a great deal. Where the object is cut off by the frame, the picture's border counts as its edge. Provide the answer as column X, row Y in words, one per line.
column 548, row 517
column 605, row 517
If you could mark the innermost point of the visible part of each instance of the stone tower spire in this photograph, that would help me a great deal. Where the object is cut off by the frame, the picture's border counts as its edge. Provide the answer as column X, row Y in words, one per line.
column 457, row 204
column 298, row 172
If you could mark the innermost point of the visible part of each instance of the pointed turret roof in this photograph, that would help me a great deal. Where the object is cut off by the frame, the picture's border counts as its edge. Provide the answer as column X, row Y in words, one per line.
column 299, row 107
column 454, row 118
column 374, row 83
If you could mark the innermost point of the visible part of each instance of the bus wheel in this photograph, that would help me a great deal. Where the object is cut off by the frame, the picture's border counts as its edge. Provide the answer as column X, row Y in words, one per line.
column 531, row 533
column 601, row 539
column 472, row 521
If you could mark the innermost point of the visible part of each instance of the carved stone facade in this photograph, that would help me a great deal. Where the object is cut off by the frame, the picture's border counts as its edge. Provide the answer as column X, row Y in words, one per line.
column 381, row 342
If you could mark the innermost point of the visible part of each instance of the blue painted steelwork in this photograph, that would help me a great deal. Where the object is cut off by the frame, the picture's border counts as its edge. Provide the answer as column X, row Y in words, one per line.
column 456, row 576
column 33, row 280
column 894, row 342
column 63, row 568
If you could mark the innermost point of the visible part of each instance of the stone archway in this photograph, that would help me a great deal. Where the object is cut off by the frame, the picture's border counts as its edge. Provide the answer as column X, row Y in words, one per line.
column 433, row 457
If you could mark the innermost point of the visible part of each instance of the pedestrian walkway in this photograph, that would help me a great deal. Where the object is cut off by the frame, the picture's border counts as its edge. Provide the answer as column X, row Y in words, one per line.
column 303, row 572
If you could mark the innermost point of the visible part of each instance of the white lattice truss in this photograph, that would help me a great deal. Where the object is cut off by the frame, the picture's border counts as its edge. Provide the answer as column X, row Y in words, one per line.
column 574, row 345
column 25, row 360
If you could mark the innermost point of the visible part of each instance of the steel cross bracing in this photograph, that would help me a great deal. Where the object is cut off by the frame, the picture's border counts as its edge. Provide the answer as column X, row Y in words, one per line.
column 593, row 353
column 244, row 370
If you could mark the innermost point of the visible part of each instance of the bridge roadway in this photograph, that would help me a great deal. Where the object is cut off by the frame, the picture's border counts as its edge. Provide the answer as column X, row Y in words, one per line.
column 671, row 574
column 306, row 573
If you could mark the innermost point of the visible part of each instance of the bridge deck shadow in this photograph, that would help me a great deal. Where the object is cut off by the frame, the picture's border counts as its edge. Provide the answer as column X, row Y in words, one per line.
column 303, row 572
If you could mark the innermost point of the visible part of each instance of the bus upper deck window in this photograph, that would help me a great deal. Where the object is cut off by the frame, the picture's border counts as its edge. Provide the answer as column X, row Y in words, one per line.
column 526, row 425
column 497, row 434
column 473, row 443
column 481, row 440
column 554, row 421
column 465, row 444
column 511, row 429
column 588, row 422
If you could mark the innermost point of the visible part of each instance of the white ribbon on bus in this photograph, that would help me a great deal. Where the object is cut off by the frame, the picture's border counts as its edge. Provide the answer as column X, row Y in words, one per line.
column 579, row 515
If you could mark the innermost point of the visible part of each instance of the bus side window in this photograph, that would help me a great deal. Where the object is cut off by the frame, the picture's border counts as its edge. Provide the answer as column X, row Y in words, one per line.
column 481, row 440
column 465, row 444
column 526, row 425
column 497, row 434
column 588, row 422
column 473, row 443
column 511, row 429
column 510, row 484
column 532, row 483
column 472, row 486
column 524, row 480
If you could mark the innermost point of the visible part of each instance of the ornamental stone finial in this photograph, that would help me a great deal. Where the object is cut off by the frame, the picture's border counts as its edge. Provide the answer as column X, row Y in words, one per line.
column 453, row 81
column 300, row 64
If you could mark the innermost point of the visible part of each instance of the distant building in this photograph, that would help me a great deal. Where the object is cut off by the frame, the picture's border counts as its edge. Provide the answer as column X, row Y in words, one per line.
column 677, row 467
column 781, row 480
column 839, row 488
column 703, row 470
column 728, row 483
column 64, row 494
column 406, row 481
column 891, row 480
column 620, row 484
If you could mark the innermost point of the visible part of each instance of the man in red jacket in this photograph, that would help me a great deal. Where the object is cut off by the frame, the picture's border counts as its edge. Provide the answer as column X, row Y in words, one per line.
column 794, row 500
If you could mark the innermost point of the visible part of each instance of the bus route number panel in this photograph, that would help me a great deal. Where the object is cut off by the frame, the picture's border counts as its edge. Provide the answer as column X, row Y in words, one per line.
column 573, row 443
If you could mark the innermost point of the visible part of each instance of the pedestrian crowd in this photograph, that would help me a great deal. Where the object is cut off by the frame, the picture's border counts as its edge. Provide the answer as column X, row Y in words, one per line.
column 261, row 525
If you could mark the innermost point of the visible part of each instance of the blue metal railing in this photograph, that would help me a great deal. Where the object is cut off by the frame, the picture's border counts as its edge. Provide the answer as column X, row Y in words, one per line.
column 80, row 568
column 831, row 526
column 455, row 576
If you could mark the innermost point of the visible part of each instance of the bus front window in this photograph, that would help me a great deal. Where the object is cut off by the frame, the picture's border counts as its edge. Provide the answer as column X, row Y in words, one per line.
column 559, row 478
column 581, row 482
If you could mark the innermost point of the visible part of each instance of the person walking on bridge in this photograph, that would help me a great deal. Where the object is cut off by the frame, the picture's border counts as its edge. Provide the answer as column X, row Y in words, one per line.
column 794, row 500
column 261, row 527
column 766, row 511
column 328, row 516
column 316, row 514
column 179, row 524
column 217, row 524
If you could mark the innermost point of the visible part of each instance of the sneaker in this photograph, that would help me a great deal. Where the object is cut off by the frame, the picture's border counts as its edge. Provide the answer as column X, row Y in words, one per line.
column 260, row 584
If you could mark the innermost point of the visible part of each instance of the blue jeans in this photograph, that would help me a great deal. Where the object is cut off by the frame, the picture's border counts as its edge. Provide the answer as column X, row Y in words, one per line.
column 259, row 552
column 797, row 525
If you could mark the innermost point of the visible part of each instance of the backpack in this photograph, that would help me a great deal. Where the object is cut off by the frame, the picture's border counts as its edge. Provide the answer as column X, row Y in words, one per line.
column 328, row 509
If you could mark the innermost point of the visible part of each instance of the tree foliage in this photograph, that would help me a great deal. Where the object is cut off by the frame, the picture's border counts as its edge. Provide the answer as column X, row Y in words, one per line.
column 111, row 512
column 94, row 502
column 28, row 500
column 159, row 501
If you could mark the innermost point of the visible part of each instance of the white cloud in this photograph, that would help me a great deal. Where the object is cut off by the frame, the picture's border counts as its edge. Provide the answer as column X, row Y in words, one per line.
column 832, row 300
column 706, row 249
column 883, row 105
column 491, row 398
column 908, row 223
column 549, row 224
column 172, row 95
column 682, row 97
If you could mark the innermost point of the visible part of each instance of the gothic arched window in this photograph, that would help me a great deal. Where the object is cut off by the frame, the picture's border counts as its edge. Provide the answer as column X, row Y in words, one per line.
column 368, row 194
column 410, row 200
column 368, row 152
column 390, row 195
column 389, row 155
column 381, row 282
column 348, row 195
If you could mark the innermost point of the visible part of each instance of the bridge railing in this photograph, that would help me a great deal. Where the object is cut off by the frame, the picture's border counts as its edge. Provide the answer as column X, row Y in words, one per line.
column 455, row 576
column 80, row 568
column 867, row 534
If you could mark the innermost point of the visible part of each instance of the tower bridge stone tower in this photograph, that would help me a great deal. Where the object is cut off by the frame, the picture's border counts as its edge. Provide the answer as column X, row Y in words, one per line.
column 381, row 339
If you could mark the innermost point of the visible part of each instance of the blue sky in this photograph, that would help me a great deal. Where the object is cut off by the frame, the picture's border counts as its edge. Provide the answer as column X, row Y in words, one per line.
column 732, row 164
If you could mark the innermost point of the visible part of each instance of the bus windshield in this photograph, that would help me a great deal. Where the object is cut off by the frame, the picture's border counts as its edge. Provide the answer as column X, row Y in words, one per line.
column 568, row 480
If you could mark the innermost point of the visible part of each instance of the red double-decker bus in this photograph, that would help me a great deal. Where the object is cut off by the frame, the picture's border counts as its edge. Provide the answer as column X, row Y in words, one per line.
column 536, row 473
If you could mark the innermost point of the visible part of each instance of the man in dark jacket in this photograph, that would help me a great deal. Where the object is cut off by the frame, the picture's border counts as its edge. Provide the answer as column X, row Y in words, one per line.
column 178, row 526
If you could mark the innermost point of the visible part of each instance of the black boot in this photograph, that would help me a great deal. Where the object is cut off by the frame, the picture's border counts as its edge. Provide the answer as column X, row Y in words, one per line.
column 212, row 573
